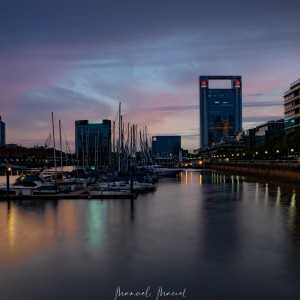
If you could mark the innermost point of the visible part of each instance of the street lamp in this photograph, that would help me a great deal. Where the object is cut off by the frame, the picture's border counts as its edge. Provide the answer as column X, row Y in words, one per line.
column 266, row 152
column 8, row 170
column 292, row 151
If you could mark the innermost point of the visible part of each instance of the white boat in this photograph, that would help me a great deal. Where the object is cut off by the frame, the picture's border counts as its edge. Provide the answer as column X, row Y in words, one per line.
column 32, row 184
column 162, row 171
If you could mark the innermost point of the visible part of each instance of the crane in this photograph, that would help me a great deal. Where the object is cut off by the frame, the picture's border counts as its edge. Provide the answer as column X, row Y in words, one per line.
column 48, row 141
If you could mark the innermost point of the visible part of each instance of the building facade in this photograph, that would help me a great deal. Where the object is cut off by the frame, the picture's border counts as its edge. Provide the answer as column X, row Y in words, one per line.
column 220, row 108
column 292, row 107
column 93, row 143
column 2, row 133
column 256, row 137
column 166, row 146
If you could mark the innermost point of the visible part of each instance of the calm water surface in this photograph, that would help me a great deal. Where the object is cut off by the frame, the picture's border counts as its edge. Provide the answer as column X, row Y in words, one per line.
column 204, row 234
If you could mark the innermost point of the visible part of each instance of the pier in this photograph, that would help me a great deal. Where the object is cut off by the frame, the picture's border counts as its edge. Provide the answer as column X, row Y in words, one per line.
column 67, row 197
column 78, row 194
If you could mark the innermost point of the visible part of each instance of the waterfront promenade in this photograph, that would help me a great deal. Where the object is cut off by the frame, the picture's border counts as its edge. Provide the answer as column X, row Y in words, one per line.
column 270, row 170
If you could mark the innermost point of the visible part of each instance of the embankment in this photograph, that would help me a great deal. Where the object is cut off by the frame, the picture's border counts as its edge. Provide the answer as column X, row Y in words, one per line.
column 287, row 172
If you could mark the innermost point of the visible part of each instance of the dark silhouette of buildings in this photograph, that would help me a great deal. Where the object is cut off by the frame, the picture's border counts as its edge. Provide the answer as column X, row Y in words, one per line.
column 2, row 132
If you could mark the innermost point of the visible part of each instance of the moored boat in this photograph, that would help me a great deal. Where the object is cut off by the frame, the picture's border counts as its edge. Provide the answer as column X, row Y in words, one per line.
column 161, row 171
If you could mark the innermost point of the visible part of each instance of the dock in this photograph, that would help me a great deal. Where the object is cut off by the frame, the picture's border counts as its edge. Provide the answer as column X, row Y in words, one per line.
column 78, row 194
column 66, row 197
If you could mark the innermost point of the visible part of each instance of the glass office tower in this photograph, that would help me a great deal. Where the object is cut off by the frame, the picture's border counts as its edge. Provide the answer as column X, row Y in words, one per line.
column 93, row 143
column 220, row 107
column 167, row 145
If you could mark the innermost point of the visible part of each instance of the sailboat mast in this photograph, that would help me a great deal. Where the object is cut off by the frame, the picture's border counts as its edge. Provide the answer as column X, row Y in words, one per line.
column 119, row 142
column 60, row 144
column 114, row 147
column 54, row 151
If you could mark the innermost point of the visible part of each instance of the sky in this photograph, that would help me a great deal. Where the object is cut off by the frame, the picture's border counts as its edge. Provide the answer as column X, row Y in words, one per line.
column 79, row 59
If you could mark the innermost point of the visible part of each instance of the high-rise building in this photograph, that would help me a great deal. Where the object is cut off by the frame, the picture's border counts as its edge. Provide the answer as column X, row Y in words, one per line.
column 93, row 143
column 220, row 107
column 292, row 107
column 2, row 133
column 166, row 145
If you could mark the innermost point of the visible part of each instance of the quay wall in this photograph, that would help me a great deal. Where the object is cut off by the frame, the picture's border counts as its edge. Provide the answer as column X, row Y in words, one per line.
column 287, row 172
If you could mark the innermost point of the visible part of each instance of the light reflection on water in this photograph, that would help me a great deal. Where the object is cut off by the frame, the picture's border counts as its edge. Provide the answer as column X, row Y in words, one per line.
column 218, row 236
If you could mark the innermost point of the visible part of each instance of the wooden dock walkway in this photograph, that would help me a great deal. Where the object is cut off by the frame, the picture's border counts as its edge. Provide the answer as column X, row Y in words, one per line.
column 73, row 195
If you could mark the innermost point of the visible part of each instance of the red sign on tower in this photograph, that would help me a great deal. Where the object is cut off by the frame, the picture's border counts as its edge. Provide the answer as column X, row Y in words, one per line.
column 237, row 83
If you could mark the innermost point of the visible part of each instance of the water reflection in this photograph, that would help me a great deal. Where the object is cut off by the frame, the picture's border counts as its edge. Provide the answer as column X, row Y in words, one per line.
column 292, row 215
column 33, row 226
column 213, row 234
column 96, row 222
column 23, row 231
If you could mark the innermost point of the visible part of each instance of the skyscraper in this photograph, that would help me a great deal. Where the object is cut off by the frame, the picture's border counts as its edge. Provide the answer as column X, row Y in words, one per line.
column 2, row 133
column 220, row 107
column 93, row 142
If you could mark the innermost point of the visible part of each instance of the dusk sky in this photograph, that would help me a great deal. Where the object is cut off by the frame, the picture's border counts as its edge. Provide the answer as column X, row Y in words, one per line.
column 79, row 59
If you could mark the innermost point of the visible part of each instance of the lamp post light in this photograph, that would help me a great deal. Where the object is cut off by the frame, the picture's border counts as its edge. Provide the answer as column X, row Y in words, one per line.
column 277, row 154
column 266, row 153
column 255, row 155
column 292, row 151
column 8, row 170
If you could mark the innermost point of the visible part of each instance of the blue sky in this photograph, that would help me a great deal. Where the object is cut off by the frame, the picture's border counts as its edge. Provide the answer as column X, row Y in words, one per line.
column 79, row 59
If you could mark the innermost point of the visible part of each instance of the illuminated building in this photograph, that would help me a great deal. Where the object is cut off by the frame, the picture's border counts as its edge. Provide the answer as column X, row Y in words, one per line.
column 220, row 108
column 292, row 107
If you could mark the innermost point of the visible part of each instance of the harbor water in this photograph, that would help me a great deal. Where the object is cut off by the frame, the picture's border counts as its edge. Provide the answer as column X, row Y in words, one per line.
column 202, row 235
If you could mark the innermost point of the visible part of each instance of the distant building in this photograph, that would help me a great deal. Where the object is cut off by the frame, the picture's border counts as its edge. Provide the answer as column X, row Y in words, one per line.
column 226, row 144
column 93, row 143
column 255, row 138
column 2, row 133
column 292, row 107
column 248, row 137
column 166, row 146
column 264, row 131
column 220, row 108
column 36, row 157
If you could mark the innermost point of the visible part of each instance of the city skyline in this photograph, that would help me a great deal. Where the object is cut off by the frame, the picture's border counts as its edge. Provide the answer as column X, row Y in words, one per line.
column 80, row 59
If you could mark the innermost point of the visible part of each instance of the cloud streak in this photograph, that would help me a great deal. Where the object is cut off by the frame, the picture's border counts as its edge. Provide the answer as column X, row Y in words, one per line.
column 79, row 59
